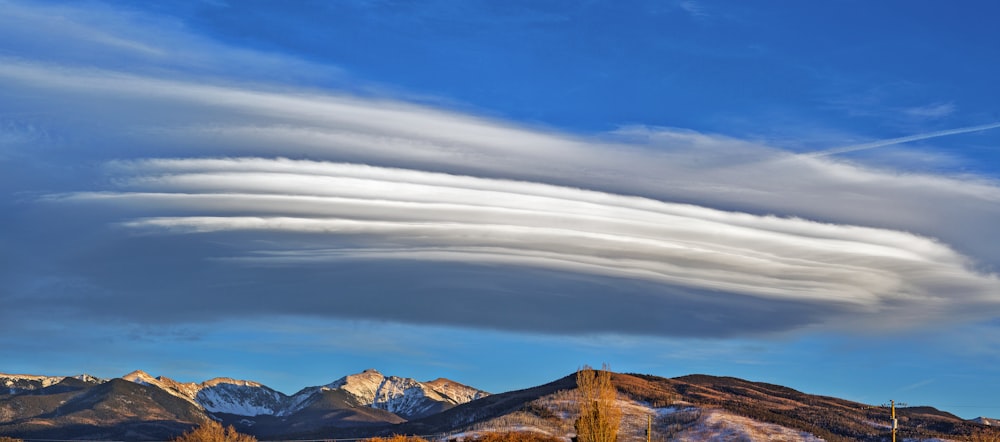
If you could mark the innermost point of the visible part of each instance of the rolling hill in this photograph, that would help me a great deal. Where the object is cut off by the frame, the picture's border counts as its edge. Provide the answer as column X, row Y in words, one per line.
column 695, row 407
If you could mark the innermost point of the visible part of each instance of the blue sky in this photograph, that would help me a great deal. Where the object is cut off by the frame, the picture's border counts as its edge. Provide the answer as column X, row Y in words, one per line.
column 800, row 193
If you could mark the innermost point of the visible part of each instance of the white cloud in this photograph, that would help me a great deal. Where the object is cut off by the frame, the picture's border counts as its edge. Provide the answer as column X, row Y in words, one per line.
column 69, row 29
column 97, row 34
column 931, row 111
column 394, row 214
column 695, row 9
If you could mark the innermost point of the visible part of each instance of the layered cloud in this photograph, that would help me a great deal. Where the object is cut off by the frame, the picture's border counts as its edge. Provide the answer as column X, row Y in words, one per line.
column 681, row 258
column 407, row 214
column 232, row 197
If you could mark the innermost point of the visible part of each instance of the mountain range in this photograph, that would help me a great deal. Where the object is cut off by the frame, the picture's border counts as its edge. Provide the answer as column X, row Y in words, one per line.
column 138, row 406
column 404, row 397
column 84, row 406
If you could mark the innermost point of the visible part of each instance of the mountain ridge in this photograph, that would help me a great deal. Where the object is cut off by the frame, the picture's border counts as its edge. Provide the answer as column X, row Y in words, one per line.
column 25, row 382
column 693, row 407
column 405, row 397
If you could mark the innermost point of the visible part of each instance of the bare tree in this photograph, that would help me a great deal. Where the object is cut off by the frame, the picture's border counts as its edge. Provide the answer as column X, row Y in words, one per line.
column 212, row 431
column 600, row 415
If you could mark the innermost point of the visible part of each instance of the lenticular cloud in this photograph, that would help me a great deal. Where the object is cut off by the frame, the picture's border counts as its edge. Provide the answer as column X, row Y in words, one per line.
column 359, row 212
column 465, row 213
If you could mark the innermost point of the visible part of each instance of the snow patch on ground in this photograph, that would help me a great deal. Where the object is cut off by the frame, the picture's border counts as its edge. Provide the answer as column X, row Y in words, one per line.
column 717, row 425
column 473, row 434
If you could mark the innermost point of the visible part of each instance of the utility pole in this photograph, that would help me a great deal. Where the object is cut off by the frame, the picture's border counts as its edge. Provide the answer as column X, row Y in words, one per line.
column 893, row 422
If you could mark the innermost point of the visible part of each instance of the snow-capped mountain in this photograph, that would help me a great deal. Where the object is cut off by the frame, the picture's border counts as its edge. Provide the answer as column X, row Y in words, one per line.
column 186, row 391
column 244, row 398
column 405, row 397
column 17, row 383
column 219, row 395
column 986, row 421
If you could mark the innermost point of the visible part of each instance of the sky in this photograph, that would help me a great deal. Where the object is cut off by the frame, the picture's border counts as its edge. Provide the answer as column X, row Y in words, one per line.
column 800, row 193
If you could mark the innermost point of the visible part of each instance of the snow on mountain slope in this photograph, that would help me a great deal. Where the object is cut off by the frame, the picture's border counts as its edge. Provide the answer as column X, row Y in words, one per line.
column 226, row 395
column 454, row 392
column 986, row 421
column 18, row 383
column 298, row 401
column 244, row 398
column 89, row 379
column 186, row 391
column 681, row 422
column 364, row 385
column 405, row 397
column 9, row 380
column 219, row 395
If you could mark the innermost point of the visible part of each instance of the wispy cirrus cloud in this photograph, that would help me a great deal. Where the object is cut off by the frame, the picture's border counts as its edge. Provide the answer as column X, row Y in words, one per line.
column 901, row 140
column 104, row 36
column 931, row 111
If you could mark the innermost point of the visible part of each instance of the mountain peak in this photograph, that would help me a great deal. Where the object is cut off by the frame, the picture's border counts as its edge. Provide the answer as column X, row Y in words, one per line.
column 139, row 377
column 986, row 421
column 88, row 378
column 14, row 383
column 222, row 380
column 405, row 397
